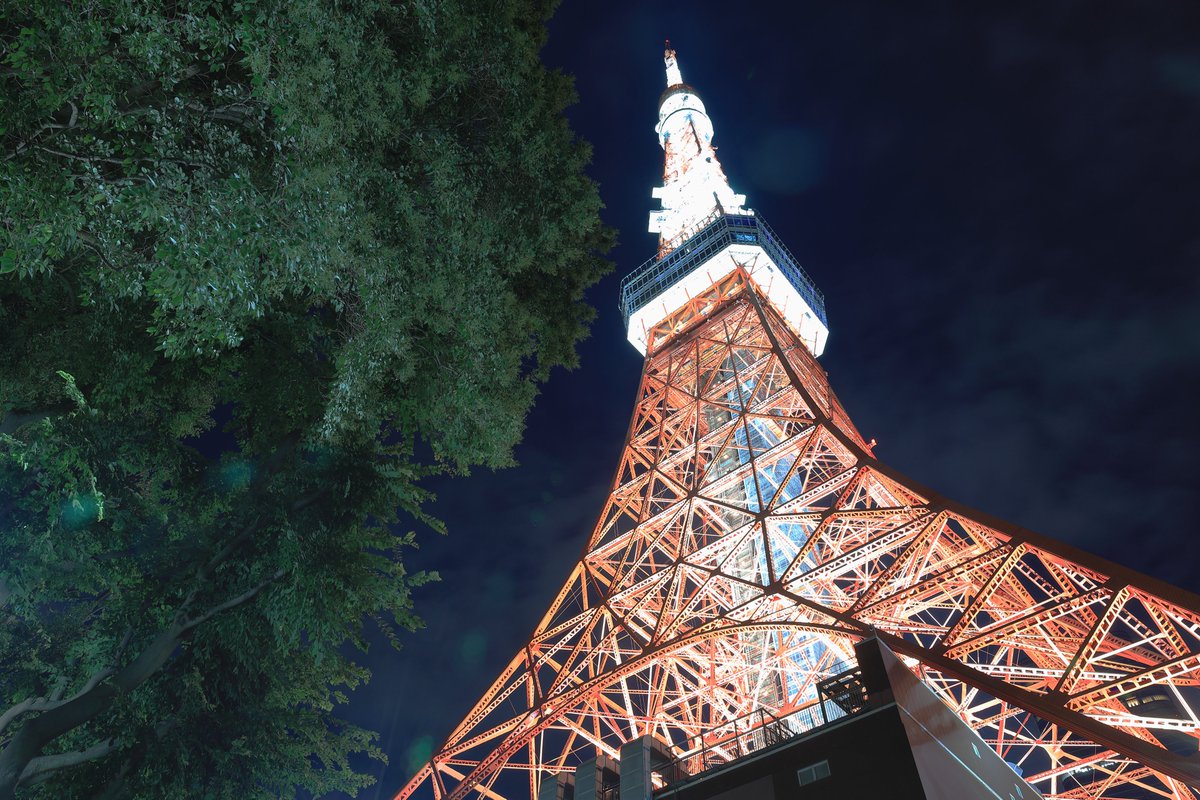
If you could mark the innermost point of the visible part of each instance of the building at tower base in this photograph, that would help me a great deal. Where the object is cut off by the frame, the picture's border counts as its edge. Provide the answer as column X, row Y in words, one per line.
column 882, row 734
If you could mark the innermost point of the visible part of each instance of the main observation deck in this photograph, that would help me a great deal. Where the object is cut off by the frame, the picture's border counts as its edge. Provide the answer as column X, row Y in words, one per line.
column 661, row 286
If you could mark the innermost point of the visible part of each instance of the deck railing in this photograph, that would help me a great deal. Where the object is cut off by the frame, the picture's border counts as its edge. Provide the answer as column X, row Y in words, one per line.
column 842, row 695
column 657, row 275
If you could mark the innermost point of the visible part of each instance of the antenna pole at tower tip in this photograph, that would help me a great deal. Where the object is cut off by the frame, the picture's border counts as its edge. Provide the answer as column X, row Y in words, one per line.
column 673, row 76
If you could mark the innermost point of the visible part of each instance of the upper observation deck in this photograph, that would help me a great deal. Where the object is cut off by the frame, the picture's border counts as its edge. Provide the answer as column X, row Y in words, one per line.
column 659, row 287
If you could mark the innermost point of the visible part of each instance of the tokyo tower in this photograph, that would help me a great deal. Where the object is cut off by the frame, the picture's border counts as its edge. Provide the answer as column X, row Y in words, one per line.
column 751, row 539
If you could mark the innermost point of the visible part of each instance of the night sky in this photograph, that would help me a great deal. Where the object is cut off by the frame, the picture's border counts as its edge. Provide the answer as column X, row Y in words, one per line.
column 1001, row 203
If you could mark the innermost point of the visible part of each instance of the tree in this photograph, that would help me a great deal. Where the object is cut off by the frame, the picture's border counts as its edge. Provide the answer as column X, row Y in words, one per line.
column 263, row 267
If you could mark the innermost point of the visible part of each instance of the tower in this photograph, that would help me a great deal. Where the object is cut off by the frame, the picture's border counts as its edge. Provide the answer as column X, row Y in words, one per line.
column 751, row 538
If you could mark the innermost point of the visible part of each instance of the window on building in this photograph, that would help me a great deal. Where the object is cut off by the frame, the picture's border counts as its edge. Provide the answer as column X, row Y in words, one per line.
column 813, row 773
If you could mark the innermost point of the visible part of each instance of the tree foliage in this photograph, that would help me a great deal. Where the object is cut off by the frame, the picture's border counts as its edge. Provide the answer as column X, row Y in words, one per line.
column 263, row 266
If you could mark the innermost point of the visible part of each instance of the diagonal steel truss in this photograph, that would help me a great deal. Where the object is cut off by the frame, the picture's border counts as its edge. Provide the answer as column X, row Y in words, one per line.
column 751, row 538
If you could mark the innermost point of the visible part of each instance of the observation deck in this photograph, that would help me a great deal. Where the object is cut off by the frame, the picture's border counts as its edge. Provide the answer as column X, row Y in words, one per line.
column 662, row 286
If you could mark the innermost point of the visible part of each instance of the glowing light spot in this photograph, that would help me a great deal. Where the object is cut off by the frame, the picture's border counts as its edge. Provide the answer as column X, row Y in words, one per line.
column 236, row 474
column 81, row 510
column 472, row 648
column 419, row 753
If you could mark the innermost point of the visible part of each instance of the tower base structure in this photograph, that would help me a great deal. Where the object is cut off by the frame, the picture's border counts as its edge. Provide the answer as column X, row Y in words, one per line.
column 882, row 734
column 751, row 539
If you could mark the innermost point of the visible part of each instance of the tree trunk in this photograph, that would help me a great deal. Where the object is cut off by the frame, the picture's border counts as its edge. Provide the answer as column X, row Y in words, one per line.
column 35, row 734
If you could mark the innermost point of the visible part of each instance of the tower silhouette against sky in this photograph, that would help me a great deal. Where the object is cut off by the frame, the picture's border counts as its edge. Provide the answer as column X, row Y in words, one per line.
column 751, row 538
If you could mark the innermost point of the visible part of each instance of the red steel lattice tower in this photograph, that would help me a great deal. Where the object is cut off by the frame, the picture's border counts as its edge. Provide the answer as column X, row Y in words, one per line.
column 751, row 538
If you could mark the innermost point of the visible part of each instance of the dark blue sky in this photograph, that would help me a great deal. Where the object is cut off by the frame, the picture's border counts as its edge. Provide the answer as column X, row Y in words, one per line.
column 1001, row 203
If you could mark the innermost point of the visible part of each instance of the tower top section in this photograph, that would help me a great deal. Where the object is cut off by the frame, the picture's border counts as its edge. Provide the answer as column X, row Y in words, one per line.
column 674, row 77
column 694, row 188
column 710, row 244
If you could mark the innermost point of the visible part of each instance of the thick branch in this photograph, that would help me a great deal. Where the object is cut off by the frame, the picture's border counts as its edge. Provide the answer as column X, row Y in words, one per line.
column 40, row 731
column 233, row 601
column 92, row 683
column 53, row 700
column 67, row 715
column 41, row 768
column 105, row 687
column 60, row 688
column 15, row 711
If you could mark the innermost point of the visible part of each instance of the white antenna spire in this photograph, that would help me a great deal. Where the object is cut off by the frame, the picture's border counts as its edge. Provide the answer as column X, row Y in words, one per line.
column 674, row 77
column 695, row 189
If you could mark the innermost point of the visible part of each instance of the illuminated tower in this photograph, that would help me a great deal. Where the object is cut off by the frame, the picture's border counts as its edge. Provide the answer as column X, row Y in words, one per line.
column 751, row 539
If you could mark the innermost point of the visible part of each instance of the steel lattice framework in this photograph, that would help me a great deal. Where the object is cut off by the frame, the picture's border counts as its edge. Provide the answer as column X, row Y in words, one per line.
column 751, row 538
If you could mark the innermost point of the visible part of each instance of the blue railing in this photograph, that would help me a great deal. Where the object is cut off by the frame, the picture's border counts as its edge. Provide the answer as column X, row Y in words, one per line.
column 658, row 274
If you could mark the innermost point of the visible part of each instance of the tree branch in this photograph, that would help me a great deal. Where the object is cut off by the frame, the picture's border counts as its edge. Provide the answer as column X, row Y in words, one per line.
column 24, row 747
column 20, row 751
column 40, row 768
column 226, row 551
column 93, row 244
column 134, row 757
column 118, row 161
column 232, row 602
column 60, row 688
column 310, row 498
column 49, row 126
column 15, row 711
column 92, row 683
column 54, row 699
column 203, row 572
column 85, row 159
column 125, row 639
